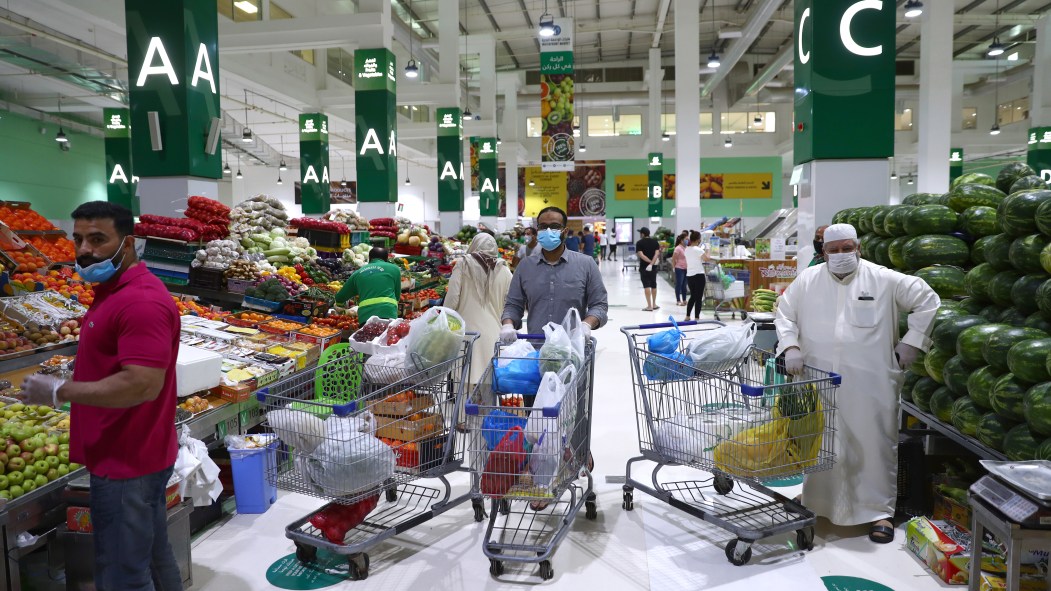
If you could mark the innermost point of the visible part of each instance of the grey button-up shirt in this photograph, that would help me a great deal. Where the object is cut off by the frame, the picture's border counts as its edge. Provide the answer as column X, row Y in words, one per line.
column 549, row 291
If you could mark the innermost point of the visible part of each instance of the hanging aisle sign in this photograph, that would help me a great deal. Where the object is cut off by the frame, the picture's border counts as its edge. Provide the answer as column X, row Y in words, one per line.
column 450, row 159
column 488, row 177
column 173, row 71
column 1038, row 154
column 376, row 125
column 120, row 182
column 313, row 163
column 655, row 190
column 556, row 98
column 955, row 163
column 844, row 79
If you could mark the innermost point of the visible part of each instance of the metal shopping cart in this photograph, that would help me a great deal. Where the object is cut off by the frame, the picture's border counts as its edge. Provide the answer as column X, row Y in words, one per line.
column 741, row 420
column 385, row 428
column 722, row 296
column 534, row 494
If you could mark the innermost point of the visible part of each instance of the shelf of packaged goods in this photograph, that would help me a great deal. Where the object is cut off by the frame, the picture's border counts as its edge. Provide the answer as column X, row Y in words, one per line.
column 223, row 297
column 212, row 426
column 971, row 444
column 36, row 356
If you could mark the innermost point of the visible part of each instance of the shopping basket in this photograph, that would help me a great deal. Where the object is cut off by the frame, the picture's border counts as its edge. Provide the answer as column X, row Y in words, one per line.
column 746, row 424
column 534, row 496
column 722, row 296
column 365, row 447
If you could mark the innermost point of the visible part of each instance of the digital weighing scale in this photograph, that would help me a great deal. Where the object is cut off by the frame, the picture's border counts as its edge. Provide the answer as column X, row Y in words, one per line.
column 1027, row 512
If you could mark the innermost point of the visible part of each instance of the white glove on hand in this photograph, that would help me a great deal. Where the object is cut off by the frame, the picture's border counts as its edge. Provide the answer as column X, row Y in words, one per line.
column 508, row 334
column 906, row 355
column 794, row 361
column 40, row 390
column 649, row 268
column 586, row 328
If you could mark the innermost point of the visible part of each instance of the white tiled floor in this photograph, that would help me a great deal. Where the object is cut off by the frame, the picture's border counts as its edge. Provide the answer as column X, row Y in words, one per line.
column 654, row 546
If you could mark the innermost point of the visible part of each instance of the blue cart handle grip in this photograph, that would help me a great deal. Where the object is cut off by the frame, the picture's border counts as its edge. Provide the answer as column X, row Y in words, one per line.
column 668, row 325
column 532, row 337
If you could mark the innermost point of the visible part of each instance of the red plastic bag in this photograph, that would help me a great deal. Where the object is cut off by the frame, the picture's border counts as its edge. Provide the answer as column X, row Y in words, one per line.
column 505, row 463
column 336, row 520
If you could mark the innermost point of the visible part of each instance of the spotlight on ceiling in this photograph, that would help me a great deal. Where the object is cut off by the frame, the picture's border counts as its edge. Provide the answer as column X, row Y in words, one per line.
column 246, row 136
column 913, row 8
column 713, row 60
column 547, row 25
column 411, row 69
column 996, row 48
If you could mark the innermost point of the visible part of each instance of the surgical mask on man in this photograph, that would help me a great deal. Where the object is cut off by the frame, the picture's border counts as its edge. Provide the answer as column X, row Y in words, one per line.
column 549, row 239
column 842, row 263
column 819, row 247
column 100, row 271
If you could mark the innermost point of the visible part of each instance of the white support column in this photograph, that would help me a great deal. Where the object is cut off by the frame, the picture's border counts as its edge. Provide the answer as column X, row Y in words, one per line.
column 687, row 123
column 511, row 189
column 956, row 115
column 508, row 132
column 449, row 43
column 487, row 81
column 936, row 86
column 383, row 35
column 320, row 71
column 1040, row 105
column 654, row 79
column 509, row 121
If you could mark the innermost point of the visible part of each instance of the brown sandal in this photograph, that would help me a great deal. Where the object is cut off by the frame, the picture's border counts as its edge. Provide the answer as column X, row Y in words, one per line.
column 882, row 534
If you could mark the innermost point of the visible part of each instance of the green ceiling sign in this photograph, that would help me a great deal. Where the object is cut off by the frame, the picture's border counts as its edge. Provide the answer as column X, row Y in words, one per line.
column 450, row 159
column 488, row 179
column 1038, row 154
column 120, row 181
column 376, row 125
column 955, row 163
column 655, row 184
column 314, row 163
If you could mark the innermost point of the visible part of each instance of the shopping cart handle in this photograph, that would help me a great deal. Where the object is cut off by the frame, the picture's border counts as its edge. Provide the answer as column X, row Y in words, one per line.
column 470, row 409
column 532, row 337
column 753, row 391
column 668, row 324
column 836, row 378
column 262, row 394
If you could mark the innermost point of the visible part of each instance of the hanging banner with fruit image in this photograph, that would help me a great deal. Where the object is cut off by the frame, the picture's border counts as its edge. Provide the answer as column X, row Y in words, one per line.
column 585, row 187
column 740, row 185
column 556, row 98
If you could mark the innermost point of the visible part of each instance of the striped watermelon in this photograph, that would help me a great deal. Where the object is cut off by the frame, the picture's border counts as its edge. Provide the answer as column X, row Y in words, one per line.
column 908, row 384
column 1007, row 397
column 992, row 428
column 923, row 199
column 1027, row 360
column 894, row 222
column 1028, row 183
column 878, row 216
column 1011, row 173
column 980, row 386
column 970, row 305
column 965, row 415
column 1019, row 444
column 1043, row 217
column 865, row 244
column 896, row 251
column 947, row 282
column 976, row 282
column 947, row 333
column 941, row 405
column 1025, row 252
column 1013, row 316
column 966, row 196
column 918, row 367
column 978, row 249
column 998, row 251
column 933, row 249
column 973, row 178
column 1043, row 451
column 865, row 220
column 996, row 347
column 992, row 313
column 842, row 216
column 1001, row 285
column 934, row 362
column 1043, row 299
column 854, row 216
column 1036, row 406
column 1024, row 293
column 880, row 252
column 931, row 219
column 1038, row 322
column 955, row 373
column 969, row 343
column 922, row 392
column 1017, row 212
column 979, row 221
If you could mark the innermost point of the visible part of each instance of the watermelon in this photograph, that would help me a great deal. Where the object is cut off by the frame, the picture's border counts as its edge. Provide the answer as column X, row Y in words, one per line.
column 1025, row 252
column 919, row 366
column 947, row 282
column 996, row 347
column 880, row 252
column 1043, row 299
column 1045, row 258
column 992, row 428
column 908, row 384
column 978, row 249
column 1001, row 285
column 1008, row 396
column 878, row 219
column 1043, row 217
column 970, row 305
column 980, row 386
column 841, row 216
column 1013, row 316
column 965, row 415
column 931, row 219
column 1028, row 183
column 922, row 392
column 896, row 251
column 935, row 361
column 973, row 178
column 865, row 220
column 1027, row 360
column 955, row 373
column 976, row 282
column 1038, row 322
column 1024, row 293
column 1011, row 173
column 1017, row 212
column 979, row 221
column 923, row 199
column 1043, row 451
column 947, row 332
column 941, row 404
column 991, row 313
column 894, row 222
column 933, row 249
column 1019, row 444
column 969, row 343
column 865, row 244
column 946, row 311
column 854, row 217
column 965, row 197
column 1036, row 406
column 998, row 251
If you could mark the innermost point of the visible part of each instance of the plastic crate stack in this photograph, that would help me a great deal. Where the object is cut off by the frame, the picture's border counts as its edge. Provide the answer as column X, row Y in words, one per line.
column 169, row 260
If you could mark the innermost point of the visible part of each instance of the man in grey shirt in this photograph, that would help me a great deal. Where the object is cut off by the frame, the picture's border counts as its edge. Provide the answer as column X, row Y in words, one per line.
column 550, row 284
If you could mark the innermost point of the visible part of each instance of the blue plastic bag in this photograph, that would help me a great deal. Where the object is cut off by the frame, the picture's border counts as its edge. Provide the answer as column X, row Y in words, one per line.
column 518, row 376
column 665, row 342
column 666, row 367
column 498, row 422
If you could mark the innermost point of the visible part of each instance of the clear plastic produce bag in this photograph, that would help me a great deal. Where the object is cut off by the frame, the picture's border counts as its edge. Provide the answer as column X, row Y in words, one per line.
column 350, row 460
column 435, row 338
column 550, row 394
column 563, row 343
column 719, row 345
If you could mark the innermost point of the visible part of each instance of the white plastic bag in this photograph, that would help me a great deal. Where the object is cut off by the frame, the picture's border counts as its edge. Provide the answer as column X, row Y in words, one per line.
column 435, row 337
column 350, row 460
column 518, row 350
column 720, row 344
column 544, row 459
column 389, row 365
column 563, row 343
column 672, row 437
column 551, row 392
column 199, row 475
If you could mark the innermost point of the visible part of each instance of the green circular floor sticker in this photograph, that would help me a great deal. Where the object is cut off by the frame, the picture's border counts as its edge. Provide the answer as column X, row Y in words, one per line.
column 288, row 573
column 853, row 584
column 784, row 482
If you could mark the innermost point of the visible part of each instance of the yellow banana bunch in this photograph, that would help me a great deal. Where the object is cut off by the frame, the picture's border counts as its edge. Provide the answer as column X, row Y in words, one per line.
column 764, row 300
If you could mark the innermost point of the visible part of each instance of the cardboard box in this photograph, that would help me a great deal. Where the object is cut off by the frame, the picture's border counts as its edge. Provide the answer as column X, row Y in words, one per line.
column 401, row 409
column 402, row 429
column 238, row 393
column 947, row 559
column 991, row 582
column 946, row 509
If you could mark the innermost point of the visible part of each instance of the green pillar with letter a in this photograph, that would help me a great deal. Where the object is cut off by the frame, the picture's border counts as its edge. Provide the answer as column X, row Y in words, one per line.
column 488, row 179
column 313, row 163
column 655, row 185
column 450, row 159
column 955, row 164
column 1038, row 153
column 120, row 181
column 375, row 122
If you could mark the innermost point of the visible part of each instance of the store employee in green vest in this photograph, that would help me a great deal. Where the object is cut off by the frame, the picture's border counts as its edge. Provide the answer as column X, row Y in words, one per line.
column 377, row 285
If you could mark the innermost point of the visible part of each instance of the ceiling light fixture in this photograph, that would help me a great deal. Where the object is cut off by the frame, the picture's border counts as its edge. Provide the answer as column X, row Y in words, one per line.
column 408, row 183
column 912, row 179
column 282, row 166
column 411, row 69
column 995, row 48
column 343, row 169
column 499, row 141
column 758, row 120
column 246, row 134
column 467, row 114
column 894, row 175
column 913, row 8
column 713, row 60
column 532, row 183
column 547, row 23
column 665, row 137
column 729, row 143
column 60, row 137
column 279, row 181
column 239, row 175
column 246, row 6
column 995, row 130
column 583, row 148
column 343, row 183
column 226, row 168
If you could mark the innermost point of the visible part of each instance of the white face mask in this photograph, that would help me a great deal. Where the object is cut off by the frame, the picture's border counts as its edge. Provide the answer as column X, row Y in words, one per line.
column 842, row 263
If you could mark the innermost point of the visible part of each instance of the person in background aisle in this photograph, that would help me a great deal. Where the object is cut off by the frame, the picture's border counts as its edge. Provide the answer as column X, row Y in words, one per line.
column 528, row 249
column 696, row 255
column 648, row 251
column 377, row 285
column 819, row 245
column 611, row 240
column 588, row 242
column 123, row 397
column 600, row 239
column 842, row 317
column 572, row 241
column 477, row 289
column 678, row 261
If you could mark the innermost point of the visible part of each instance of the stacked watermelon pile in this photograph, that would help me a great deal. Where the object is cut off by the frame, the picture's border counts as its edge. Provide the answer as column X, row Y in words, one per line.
column 985, row 247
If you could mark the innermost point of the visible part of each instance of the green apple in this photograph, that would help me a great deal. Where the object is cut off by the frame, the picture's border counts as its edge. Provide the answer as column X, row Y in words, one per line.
column 5, row 495
column 53, row 461
column 40, row 480
column 15, row 465
column 52, row 440
column 29, row 472
column 15, row 478
column 73, row 466
column 63, row 469
column 63, row 447
column 29, row 485
column 63, row 438
column 63, row 457
column 38, row 454
column 52, row 474
column 28, row 444
column 16, row 491
column 41, row 466
column 4, row 483
column 13, row 450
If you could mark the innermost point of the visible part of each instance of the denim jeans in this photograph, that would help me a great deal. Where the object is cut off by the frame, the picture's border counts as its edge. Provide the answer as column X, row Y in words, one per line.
column 681, row 292
column 132, row 552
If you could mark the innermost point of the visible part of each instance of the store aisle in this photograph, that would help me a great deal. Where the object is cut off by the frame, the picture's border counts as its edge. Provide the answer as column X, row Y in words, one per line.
column 653, row 547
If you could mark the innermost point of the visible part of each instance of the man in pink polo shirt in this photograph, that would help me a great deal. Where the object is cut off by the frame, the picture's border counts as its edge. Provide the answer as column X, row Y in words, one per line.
column 123, row 400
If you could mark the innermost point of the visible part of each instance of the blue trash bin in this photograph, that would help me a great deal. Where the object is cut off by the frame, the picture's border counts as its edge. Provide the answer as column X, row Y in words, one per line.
column 252, row 491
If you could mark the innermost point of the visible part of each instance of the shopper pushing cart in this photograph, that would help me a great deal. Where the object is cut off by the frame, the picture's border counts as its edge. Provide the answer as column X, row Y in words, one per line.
column 721, row 289
column 708, row 399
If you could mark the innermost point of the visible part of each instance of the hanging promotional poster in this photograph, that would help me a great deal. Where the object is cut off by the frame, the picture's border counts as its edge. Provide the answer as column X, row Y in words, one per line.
column 556, row 98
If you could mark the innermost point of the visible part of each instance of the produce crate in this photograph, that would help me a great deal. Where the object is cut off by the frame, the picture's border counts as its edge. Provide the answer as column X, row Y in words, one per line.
column 404, row 429
column 422, row 455
column 325, row 238
column 170, row 277
column 272, row 329
column 408, row 250
column 240, row 320
column 259, row 304
column 170, row 251
column 381, row 242
column 358, row 237
column 205, row 278
column 402, row 408
column 238, row 285
column 305, row 308
column 323, row 342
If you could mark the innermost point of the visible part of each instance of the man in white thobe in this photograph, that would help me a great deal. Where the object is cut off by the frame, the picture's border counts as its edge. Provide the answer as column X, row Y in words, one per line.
column 842, row 316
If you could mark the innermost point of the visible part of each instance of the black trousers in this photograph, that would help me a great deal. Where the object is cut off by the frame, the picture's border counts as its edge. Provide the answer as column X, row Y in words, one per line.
column 696, row 283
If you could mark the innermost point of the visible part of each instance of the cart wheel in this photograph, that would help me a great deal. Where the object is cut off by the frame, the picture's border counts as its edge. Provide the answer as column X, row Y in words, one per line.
column 359, row 566
column 591, row 508
column 496, row 568
column 731, row 553
column 306, row 554
column 392, row 495
column 805, row 538
column 744, row 315
column 479, row 510
column 546, row 572
column 628, row 504
column 723, row 484
column 716, row 317
column 505, row 507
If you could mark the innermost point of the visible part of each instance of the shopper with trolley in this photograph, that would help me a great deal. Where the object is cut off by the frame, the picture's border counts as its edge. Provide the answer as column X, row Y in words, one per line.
column 842, row 317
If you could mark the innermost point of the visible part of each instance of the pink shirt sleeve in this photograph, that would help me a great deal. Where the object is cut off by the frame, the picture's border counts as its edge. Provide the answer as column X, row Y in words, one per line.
column 146, row 335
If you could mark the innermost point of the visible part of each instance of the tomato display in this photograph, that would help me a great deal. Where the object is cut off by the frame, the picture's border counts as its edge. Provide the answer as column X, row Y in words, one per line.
column 24, row 219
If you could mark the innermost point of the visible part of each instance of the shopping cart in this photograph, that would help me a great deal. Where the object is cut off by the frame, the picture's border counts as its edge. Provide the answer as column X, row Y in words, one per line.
column 390, row 427
column 742, row 420
column 630, row 258
column 721, row 296
column 534, row 496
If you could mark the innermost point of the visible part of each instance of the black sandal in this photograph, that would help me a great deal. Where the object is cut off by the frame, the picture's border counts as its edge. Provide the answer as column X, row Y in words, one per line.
column 881, row 534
